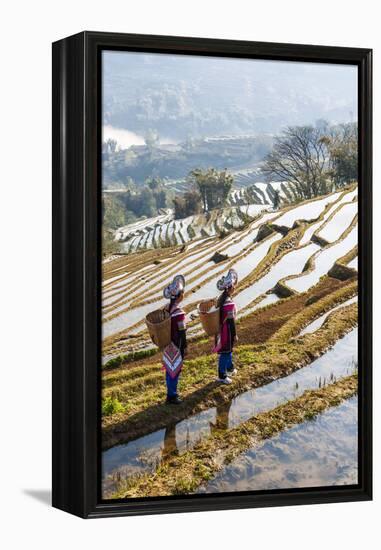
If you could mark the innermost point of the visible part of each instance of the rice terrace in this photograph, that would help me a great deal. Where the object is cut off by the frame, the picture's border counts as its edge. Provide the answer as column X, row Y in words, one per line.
column 288, row 419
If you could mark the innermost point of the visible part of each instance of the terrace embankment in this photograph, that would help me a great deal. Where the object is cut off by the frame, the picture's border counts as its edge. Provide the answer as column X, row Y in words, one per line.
column 134, row 288
column 186, row 473
column 141, row 390
column 275, row 343
column 260, row 325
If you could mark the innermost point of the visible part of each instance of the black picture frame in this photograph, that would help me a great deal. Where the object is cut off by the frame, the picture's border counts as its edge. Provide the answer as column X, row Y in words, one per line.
column 77, row 272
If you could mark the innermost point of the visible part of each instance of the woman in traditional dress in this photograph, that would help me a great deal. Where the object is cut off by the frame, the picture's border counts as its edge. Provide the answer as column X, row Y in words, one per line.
column 227, row 336
column 173, row 354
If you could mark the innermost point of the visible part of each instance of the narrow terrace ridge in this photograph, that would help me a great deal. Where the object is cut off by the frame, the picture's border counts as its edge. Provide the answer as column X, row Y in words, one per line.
column 257, row 365
column 186, row 473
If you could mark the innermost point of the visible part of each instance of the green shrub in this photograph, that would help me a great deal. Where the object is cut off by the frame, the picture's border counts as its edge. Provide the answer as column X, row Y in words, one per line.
column 110, row 405
column 116, row 362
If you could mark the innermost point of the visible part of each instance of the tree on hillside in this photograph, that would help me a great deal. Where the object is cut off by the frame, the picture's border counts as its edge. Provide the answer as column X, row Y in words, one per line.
column 153, row 182
column 187, row 204
column 144, row 203
column 342, row 144
column 213, row 186
column 161, row 198
column 300, row 155
column 151, row 138
column 276, row 199
column 114, row 214
column 109, row 245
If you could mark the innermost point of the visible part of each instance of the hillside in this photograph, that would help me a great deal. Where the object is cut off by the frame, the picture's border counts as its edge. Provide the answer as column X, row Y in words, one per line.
column 163, row 230
column 286, row 239
column 296, row 356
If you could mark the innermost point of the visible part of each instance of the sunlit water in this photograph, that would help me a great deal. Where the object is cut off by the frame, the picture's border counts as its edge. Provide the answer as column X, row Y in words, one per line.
column 334, row 208
column 145, row 453
column 291, row 263
column 315, row 325
column 127, row 138
column 188, row 266
column 243, row 266
column 339, row 222
column 323, row 262
column 267, row 300
column 309, row 211
column 318, row 453
column 249, row 238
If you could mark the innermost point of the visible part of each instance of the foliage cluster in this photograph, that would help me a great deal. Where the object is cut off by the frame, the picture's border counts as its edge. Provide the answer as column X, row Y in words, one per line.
column 315, row 159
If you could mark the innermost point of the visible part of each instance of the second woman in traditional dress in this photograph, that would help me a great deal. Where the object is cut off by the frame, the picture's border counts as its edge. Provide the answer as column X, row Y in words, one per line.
column 227, row 336
column 173, row 354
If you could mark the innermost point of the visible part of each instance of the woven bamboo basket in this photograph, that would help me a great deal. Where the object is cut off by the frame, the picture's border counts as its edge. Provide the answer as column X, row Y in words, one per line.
column 209, row 317
column 159, row 327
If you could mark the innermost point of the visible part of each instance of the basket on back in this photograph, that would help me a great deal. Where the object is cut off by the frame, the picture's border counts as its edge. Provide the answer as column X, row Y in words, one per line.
column 159, row 327
column 209, row 316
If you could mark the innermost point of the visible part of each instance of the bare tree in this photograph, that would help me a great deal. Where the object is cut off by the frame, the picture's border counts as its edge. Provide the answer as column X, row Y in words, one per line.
column 300, row 155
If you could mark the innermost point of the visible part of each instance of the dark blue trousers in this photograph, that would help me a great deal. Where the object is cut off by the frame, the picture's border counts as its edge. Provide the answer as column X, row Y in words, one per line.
column 225, row 364
column 171, row 385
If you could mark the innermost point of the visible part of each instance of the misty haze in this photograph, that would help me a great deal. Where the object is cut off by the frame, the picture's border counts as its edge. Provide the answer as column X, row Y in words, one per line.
column 192, row 97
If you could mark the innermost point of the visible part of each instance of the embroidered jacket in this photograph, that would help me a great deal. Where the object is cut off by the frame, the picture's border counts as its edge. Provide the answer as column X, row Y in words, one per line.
column 225, row 339
column 178, row 328
column 173, row 354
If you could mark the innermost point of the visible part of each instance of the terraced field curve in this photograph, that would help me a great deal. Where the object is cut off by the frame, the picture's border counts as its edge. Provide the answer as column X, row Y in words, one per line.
column 296, row 357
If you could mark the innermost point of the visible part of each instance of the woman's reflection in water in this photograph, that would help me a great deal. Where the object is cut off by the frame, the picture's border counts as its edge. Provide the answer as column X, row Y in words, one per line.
column 170, row 445
column 222, row 417
column 171, row 448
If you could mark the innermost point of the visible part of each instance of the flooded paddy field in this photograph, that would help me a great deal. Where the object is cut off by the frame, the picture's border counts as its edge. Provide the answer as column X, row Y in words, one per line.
column 289, row 419
column 146, row 453
column 317, row 453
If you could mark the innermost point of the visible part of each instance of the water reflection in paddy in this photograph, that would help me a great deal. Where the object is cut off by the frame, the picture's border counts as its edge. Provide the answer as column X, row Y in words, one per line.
column 145, row 453
column 317, row 453
column 317, row 323
column 339, row 361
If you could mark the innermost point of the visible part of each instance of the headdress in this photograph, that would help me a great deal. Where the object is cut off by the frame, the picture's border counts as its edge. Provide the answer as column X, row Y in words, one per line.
column 231, row 279
column 175, row 288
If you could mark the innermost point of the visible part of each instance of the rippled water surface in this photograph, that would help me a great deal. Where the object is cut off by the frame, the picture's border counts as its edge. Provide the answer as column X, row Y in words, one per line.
column 317, row 323
column 144, row 454
column 317, row 453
